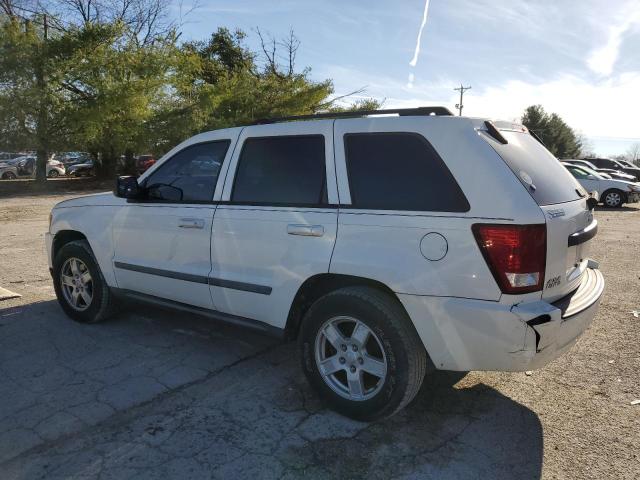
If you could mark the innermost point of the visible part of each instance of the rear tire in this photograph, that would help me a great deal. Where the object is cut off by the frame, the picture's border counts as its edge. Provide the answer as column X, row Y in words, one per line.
column 80, row 287
column 613, row 198
column 9, row 176
column 374, row 365
column 53, row 174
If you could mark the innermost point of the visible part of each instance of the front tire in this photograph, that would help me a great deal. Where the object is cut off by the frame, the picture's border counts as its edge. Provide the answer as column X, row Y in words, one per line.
column 80, row 287
column 9, row 176
column 361, row 353
column 613, row 198
column 54, row 174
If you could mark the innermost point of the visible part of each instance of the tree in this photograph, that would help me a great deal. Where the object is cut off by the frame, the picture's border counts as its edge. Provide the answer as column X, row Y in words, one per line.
column 91, row 80
column 557, row 136
column 220, row 83
column 112, row 79
column 32, row 107
column 633, row 153
column 115, row 85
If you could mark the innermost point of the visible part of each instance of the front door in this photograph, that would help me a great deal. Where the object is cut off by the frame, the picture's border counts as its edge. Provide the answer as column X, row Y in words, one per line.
column 162, row 242
column 276, row 224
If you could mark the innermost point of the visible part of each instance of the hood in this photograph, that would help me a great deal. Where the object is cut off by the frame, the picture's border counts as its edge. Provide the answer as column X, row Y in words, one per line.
column 95, row 199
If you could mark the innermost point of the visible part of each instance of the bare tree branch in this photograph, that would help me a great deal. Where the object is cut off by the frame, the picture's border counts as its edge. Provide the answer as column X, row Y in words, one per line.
column 270, row 49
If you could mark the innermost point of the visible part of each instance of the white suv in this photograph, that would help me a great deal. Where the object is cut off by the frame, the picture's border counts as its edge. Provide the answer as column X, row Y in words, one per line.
column 385, row 244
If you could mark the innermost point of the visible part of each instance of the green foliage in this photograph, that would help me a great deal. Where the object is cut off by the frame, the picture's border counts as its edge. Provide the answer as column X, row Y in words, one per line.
column 557, row 136
column 96, row 87
column 218, row 84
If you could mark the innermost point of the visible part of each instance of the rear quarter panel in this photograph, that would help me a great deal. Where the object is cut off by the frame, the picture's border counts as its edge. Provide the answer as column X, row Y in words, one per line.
column 386, row 245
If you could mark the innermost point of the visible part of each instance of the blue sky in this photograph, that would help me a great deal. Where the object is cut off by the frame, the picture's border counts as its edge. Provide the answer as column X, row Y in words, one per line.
column 580, row 59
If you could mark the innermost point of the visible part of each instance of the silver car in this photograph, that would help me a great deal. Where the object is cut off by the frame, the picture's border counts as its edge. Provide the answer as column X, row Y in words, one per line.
column 25, row 167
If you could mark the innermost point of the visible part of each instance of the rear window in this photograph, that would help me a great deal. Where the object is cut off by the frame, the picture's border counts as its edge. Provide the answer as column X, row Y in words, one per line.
column 538, row 170
column 399, row 171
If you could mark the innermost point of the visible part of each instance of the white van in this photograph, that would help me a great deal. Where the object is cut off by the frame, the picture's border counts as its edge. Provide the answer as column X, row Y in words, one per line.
column 384, row 244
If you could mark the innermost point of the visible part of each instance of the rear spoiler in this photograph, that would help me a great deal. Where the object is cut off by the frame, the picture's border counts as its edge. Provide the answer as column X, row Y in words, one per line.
column 495, row 132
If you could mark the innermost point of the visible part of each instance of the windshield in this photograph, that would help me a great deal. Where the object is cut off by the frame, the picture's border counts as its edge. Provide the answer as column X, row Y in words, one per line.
column 584, row 163
column 583, row 172
column 591, row 171
column 627, row 164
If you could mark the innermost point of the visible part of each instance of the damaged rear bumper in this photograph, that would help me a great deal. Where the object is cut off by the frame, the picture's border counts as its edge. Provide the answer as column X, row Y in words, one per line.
column 466, row 334
column 557, row 329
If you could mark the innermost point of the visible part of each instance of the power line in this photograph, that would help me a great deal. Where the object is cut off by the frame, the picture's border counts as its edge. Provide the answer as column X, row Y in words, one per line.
column 461, row 89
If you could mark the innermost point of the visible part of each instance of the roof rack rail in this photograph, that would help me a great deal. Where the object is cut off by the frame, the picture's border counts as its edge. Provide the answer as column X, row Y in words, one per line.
column 361, row 113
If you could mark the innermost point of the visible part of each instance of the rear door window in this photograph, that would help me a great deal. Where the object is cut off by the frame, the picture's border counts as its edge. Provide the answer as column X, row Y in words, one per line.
column 281, row 170
column 538, row 170
column 399, row 171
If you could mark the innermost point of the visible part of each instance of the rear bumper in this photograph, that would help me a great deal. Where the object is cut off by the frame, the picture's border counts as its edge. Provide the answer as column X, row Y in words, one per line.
column 463, row 334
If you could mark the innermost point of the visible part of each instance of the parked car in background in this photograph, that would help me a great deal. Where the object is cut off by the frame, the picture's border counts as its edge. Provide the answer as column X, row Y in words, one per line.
column 605, row 172
column 4, row 156
column 611, row 192
column 25, row 167
column 616, row 165
column 82, row 169
column 627, row 164
column 369, row 239
column 617, row 174
column 70, row 158
column 143, row 162
column 603, row 175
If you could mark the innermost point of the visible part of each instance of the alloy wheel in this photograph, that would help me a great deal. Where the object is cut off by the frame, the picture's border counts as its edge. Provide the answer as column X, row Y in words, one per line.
column 76, row 284
column 350, row 358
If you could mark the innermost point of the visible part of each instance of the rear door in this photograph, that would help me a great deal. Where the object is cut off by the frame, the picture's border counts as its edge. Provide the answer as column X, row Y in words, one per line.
column 562, row 199
column 276, row 225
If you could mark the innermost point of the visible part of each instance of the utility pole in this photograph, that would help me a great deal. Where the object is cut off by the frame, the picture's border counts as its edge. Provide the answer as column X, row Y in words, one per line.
column 461, row 89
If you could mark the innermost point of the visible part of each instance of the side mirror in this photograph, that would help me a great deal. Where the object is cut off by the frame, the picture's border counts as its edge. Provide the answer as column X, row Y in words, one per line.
column 127, row 187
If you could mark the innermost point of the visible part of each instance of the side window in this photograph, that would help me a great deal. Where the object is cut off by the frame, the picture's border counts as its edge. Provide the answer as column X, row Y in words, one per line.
column 287, row 170
column 399, row 171
column 190, row 175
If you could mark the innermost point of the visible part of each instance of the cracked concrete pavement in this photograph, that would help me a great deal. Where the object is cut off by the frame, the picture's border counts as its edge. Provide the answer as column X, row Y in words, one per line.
column 155, row 394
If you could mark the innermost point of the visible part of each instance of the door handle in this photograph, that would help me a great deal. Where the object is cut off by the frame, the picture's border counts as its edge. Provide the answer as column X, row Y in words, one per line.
column 191, row 223
column 305, row 230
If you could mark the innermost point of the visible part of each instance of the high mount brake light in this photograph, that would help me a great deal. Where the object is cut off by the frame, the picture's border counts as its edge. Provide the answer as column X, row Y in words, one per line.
column 516, row 255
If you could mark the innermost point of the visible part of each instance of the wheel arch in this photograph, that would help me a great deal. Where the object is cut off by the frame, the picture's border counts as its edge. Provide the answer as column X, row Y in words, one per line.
column 62, row 237
column 319, row 285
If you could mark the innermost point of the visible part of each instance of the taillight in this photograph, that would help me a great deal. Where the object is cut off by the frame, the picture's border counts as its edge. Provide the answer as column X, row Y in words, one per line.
column 516, row 254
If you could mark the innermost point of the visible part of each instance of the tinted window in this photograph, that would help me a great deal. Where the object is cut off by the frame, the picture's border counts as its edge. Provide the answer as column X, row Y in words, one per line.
column 544, row 177
column 190, row 175
column 281, row 170
column 604, row 163
column 399, row 171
